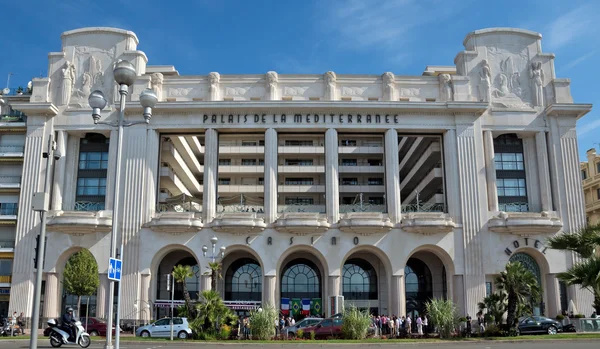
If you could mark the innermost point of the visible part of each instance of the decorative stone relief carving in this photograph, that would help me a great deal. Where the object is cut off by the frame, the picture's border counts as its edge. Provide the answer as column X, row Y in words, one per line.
column 88, row 73
column 508, row 65
column 272, row 81
column 184, row 92
column 446, row 88
column 330, row 86
column 485, row 82
column 389, row 86
column 353, row 91
column 156, row 83
column 214, row 79
column 537, row 77
column 294, row 91
column 68, row 83
column 236, row 91
column 410, row 92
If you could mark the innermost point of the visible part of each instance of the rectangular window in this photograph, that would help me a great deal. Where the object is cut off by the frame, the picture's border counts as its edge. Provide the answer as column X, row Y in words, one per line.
column 8, row 208
column 349, row 181
column 349, row 162
column 299, row 162
column 347, row 200
column 377, row 200
column 248, row 162
column 91, row 186
column 348, row 143
column 298, row 201
column 488, row 289
column 261, row 181
column 93, row 160
column 509, row 161
column 6, row 267
column 298, row 181
column 261, row 162
column 375, row 181
column 511, row 187
column 598, row 168
column 248, row 143
column 299, row 143
column 598, row 193
column 225, row 181
column 374, row 162
column 261, row 143
column 225, row 162
column 583, row 175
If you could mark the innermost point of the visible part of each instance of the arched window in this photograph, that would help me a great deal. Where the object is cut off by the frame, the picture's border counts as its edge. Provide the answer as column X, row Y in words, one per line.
column 418, row 286
column 359, row 280
column 529, row 263
column 301, row 279
column 243, row 281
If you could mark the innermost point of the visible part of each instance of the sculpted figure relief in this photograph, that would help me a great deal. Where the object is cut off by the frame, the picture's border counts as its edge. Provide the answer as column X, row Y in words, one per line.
column 68, row 82
column 272, row 80
column 330, row 86
column 446, row 88
column 485, row 82
column 156, row 82
column 537, row 76
column 389, row 87
column 213, row 90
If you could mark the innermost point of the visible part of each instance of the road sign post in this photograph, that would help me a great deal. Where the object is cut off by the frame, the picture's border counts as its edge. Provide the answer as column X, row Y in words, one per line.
column 114, row 269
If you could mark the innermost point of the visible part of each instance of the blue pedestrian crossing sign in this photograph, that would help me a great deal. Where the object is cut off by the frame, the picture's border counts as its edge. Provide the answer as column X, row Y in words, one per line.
column 114, row 269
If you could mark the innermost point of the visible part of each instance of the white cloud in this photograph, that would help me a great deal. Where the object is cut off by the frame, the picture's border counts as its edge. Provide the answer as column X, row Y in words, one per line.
column 578, row 60
column 576, row 24
column 587, row 128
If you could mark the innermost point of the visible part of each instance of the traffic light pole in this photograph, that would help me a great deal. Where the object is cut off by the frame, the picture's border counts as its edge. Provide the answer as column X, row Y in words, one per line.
column 40, row 203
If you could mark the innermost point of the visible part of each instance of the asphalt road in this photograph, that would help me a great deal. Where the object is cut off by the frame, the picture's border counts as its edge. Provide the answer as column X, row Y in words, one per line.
column 544, row 344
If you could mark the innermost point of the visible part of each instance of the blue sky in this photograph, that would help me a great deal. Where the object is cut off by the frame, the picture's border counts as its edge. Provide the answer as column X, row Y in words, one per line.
column 353, row 37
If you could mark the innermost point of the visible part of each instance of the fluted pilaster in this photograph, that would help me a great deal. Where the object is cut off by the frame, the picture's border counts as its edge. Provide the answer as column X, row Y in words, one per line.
column 543, row 171
column 269, row 290
column 470, row 164
column 145, row 308
column 71, row 162
column 102, row 294
column 60, row 167
column 153, row 145
column 270, row 176
column 490, row 171
column 452, row 180
column 110, row 171
column 398, row 298
column 51, row 310
column 334, row 289
column 211, row 162
column 332, row 195
column 392, row 176
column 205, row 282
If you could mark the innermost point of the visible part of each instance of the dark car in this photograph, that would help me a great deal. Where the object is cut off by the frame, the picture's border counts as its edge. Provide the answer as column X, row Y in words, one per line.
column 328, row 328
column 539, row 324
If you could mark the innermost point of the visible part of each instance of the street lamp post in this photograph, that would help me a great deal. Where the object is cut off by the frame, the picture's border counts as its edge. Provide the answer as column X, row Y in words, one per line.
column 125, row 75
column 213, row 257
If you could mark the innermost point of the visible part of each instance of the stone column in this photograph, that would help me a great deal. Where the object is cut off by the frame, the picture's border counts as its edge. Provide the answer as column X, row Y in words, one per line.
column 110, row 171
column 392, row 176
column 490, row 171
column 398, row 296
column 211, row 163
column 269, row 289
column 530, row 163
column 552, row 295
column 270, row 182
column 471, row 185
column 102, row 296
column 59, row 171
column 544, row 171
column 332, row 188
column 334, row 290
column 452, row 181
column 71, row 162
column 458, row 285
column 50, row 310
column 205, row 282
column 145, row 307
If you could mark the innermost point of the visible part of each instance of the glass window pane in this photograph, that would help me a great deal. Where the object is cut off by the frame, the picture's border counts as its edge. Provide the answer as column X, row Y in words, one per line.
column 94, row 156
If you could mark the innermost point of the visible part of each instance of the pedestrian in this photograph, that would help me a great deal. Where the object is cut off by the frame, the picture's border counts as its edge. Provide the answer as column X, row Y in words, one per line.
column 408, row 325
column 425, row 324
column 419, row 326
column 398, row 326
column 469, row 330
column 391, row 323
column 481, row 322
column 21, row 323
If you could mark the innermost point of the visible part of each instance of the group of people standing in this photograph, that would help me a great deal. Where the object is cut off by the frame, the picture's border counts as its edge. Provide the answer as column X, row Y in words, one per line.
column 395, row 325
column 283, row 322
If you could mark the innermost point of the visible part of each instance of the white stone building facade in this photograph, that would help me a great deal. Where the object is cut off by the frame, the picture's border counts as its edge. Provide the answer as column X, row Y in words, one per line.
column 387, row 190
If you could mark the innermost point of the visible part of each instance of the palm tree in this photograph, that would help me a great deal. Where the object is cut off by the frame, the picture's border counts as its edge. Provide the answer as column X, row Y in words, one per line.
column 215, row 268
column 495, row 304
column 521, row 287
column 181, row 273
column 586, row 273
column 211, row 308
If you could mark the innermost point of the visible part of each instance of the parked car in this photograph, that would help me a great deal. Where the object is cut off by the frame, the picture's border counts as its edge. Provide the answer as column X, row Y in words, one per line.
column 539, row 324
column 162, row 328
column 290, row 331
column 327, row 328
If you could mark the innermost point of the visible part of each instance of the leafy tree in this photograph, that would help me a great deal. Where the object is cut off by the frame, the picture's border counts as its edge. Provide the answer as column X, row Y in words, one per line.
column 215, row 269
column 442, row 314
column 521, row 287
column 495, row 305
column 586, row 273
column 262, row 322
column 212, row 310
column 181, row 273
column 81, row 275
column 355, row 323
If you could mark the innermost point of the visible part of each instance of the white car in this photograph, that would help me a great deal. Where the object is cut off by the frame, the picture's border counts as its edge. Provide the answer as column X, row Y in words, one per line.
column 162, row 328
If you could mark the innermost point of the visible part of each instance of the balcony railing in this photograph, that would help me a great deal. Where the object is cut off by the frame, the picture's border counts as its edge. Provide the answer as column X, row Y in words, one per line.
column 364, row 207
column 18, row 91
column 13, row 116
column 514, row 207
column 7, row 244
column 11, row 148
column 179, row 207
column 10, row 179
column 88, row 206
column 426, row 207
column 292, row 208
column 240, row 208
column 8, row 211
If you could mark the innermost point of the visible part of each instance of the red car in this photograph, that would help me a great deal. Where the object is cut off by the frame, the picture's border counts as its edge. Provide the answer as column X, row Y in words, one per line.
column 96, row 327
column 328, row 328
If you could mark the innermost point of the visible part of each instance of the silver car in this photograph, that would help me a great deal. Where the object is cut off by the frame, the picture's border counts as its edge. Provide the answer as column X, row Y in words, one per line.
column 290, row 331
column 162, row 328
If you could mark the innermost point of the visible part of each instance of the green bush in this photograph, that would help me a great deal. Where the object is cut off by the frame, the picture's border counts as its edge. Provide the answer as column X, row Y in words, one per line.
column 442, row 313
column 262, row 323
column 313, row 335
column 560, row 317
column 355, row 323
column 225, row 332
column 300, row 333
column 493, row 330
column 579, row 316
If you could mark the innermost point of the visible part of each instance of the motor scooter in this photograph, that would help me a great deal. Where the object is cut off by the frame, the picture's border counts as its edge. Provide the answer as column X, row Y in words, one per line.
column 58, row 337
